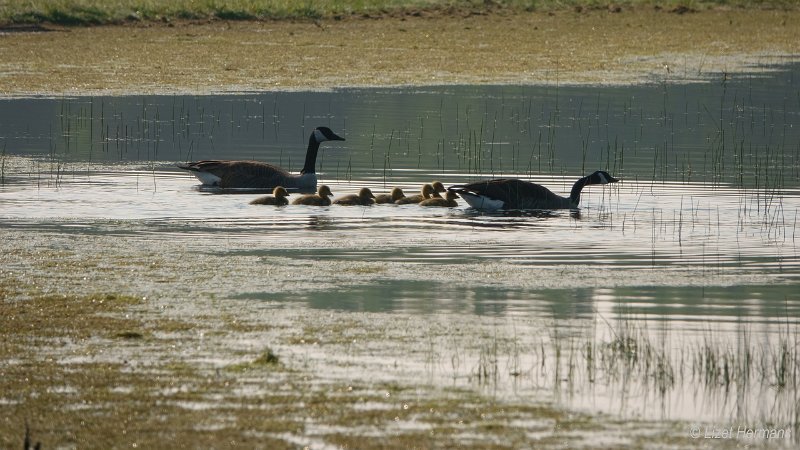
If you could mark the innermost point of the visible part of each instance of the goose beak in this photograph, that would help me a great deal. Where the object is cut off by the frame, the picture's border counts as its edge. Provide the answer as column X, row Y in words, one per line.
column 613, row 180
column 336, row 137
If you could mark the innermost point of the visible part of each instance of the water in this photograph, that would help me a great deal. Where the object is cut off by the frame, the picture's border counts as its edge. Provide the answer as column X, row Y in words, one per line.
column 695, row 248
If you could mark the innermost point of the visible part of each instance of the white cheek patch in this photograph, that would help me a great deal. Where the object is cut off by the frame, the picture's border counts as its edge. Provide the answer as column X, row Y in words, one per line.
column 319, row 137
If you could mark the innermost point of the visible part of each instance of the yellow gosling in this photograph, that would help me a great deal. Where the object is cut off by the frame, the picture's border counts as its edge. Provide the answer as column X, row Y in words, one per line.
column 321, row 198
column 448, row 202
column 394, row 196
column 363, row 198
column 427, row 192
column 278, row 198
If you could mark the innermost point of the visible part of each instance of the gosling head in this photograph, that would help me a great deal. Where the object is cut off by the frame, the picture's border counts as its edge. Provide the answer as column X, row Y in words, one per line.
column 601, row 177
column 438, row 186
column 427, row 190
column 322, row 134
column 450, row 196
column 324, row 191
column 280, row 192
column 397, row 194
column 365, row 193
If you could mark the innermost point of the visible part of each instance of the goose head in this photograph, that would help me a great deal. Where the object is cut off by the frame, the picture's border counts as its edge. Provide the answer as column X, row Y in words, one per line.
column 427, row 190
column 280, row 192
column 322, row 134
column 438, row 186
column 365, row 193
column 324, row 191
column 600, row 177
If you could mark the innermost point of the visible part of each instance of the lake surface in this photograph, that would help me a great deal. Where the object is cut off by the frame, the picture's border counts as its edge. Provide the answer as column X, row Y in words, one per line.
column 695, row 249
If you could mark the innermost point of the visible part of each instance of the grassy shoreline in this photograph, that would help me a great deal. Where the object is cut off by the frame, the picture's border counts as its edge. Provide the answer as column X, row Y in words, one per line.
column 595, row 47
column 94, row 12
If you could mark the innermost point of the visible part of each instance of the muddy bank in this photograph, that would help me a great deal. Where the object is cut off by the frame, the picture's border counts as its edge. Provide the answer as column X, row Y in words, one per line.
column 114, row 370
column 599, row 47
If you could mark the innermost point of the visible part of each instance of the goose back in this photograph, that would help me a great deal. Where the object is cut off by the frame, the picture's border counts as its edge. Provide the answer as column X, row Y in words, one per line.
column 248, row 175
column 512, row 193
column 258, row 175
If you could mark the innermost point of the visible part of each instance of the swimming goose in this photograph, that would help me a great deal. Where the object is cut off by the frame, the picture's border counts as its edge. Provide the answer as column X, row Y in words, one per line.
column 259, row 175
column 321, row 198
column 448, row 202
column 278, row 198
column 427, row 192
column 363, row 198
column 517, row 194
column 394, row 196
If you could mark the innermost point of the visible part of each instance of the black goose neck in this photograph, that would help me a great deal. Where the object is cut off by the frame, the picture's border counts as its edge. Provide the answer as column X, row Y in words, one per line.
column 311, row 155
column 575, row 194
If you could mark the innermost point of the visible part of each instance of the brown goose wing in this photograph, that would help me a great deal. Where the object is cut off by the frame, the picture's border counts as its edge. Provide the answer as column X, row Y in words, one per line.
column 240, row 174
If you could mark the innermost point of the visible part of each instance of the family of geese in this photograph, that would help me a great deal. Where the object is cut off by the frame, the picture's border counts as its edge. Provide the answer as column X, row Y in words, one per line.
column 501, row 193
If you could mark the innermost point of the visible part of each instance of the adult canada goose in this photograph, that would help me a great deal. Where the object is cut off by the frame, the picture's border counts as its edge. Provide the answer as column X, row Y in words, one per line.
column 259, row 175
column 448, row 202
column 508, row 193
column 321, row 198
column 363, row 198
column 278, row 198
column 392, row 197
column 427, row 192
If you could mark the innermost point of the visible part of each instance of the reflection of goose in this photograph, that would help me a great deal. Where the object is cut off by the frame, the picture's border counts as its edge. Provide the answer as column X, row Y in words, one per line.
column 517, row 194
column 278, row 198
column 363, row 198
column 321, row 198
column 448, row 202
column 394, row 196
column 259, row 175
column 427, row 191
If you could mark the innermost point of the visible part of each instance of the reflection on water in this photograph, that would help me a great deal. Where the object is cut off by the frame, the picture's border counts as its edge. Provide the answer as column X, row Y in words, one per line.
column 699, row 239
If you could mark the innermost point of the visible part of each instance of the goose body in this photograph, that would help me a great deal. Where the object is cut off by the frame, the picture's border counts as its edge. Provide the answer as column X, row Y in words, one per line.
column 321, row 198
column 427, row 192
column 278, row 198
column 392, row 197
column 363, row 198
column 509, row 193
column 260, row 175
column 449, row 201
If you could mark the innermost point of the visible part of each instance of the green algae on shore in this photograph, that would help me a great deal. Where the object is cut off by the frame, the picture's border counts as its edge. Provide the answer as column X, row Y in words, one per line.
column 74, row 379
